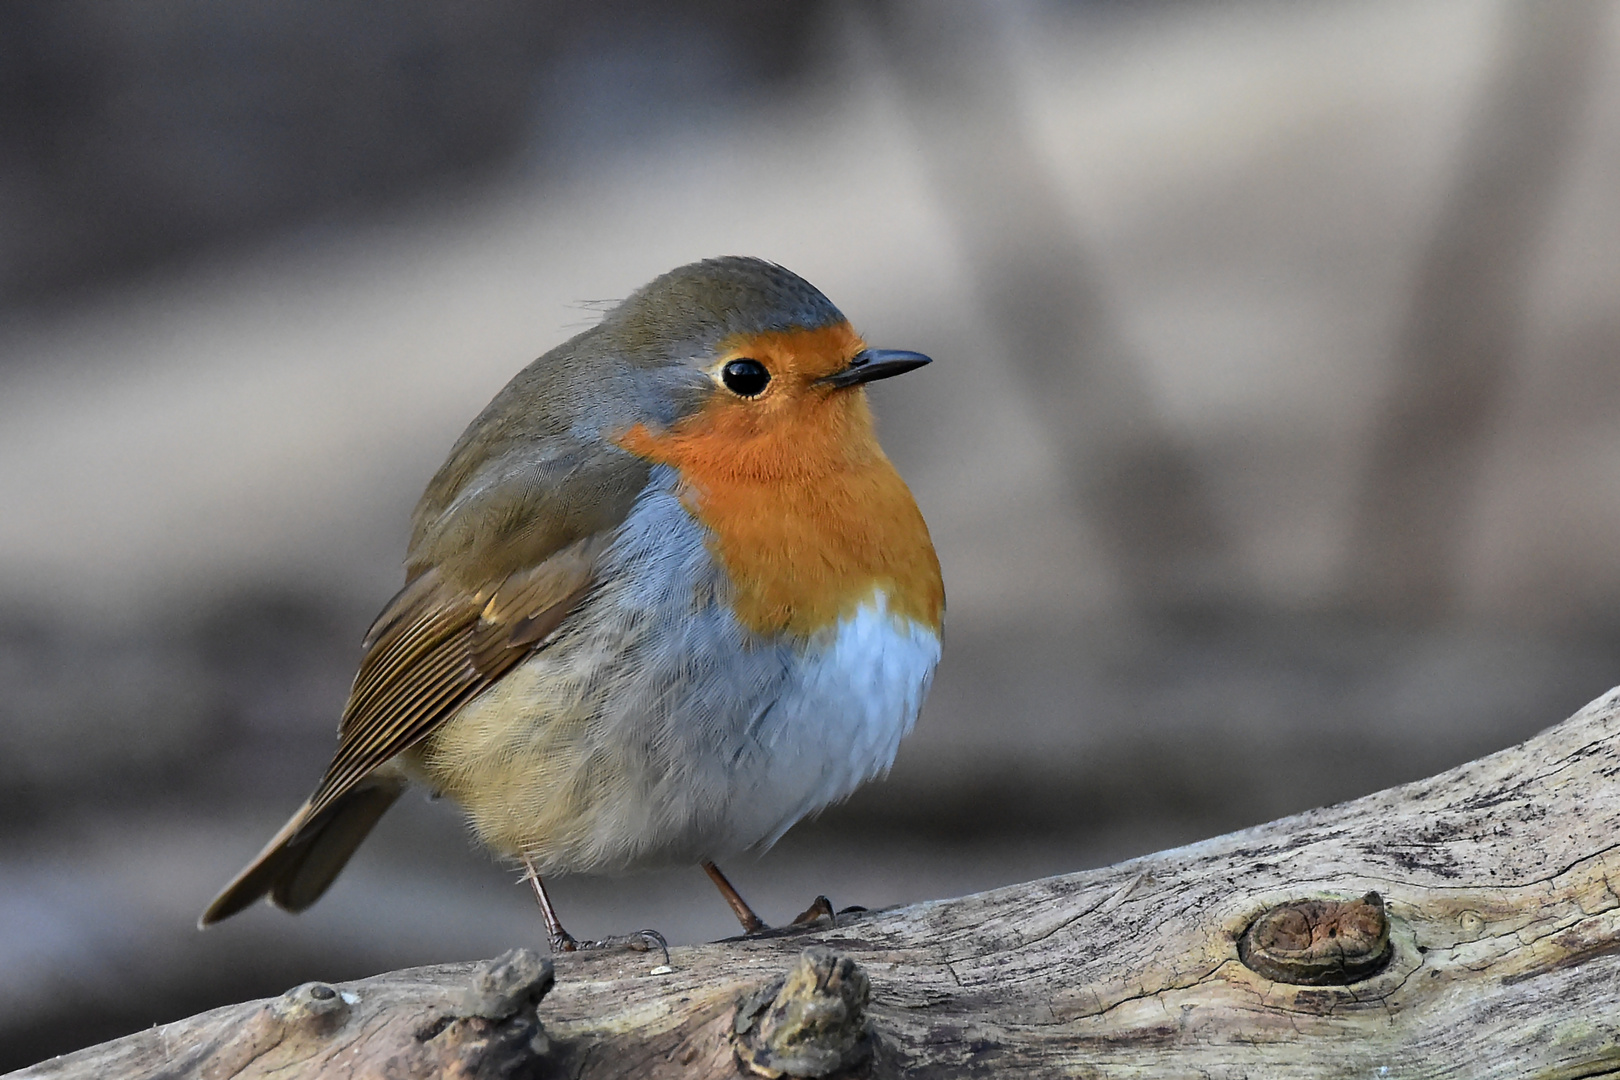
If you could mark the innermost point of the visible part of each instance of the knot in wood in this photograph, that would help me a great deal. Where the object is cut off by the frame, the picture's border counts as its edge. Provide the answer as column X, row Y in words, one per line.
column 811, row 1023
column 1319, row 942
column 314, row 1007
column 487, row 1029
column 511, row 983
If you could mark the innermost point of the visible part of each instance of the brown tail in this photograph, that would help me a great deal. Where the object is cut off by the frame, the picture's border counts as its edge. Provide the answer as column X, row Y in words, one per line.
column 301, row 860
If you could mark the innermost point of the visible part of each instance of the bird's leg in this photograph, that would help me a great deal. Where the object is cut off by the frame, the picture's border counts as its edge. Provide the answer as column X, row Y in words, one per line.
column 820, row 908
column 562, row 941
column 751, row 923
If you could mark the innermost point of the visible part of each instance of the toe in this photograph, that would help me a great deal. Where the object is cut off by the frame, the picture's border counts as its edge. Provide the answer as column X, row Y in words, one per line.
column 820, row 908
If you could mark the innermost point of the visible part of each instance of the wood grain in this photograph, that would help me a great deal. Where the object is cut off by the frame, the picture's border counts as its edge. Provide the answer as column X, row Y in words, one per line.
column 1503, row 929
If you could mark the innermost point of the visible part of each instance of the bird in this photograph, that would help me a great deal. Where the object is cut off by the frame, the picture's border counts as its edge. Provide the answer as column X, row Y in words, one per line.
column 666, row 597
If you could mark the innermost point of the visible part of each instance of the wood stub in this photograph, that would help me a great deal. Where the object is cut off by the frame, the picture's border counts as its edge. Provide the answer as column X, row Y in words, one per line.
column 479, row 1022
column 812, row 1023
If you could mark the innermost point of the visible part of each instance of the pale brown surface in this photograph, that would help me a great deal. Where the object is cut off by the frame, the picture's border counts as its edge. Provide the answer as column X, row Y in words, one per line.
column 1503, row 925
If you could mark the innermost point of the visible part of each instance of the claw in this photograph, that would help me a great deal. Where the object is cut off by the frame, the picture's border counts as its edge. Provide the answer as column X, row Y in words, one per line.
column 820, row 908
column 562, row 941
column 639, row 941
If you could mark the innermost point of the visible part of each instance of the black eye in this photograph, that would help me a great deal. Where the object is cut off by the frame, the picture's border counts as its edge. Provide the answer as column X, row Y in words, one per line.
column 747, row 378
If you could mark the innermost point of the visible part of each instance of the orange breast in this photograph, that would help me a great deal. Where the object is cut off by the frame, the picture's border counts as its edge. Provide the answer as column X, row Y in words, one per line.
column 808, row 515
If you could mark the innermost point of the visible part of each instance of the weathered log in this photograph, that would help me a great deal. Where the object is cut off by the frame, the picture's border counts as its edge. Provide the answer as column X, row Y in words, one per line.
column 1463, row 926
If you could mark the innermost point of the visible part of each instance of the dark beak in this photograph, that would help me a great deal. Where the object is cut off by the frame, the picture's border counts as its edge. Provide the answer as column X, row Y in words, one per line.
column 870, row 364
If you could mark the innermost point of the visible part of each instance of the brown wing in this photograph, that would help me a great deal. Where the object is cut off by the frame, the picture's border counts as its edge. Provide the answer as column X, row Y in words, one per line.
column 437, row 646
column 504, row 546
column 433, row 648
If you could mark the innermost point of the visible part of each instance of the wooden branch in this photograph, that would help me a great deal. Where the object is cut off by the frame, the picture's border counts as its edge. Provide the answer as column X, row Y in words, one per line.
column 1463, row 926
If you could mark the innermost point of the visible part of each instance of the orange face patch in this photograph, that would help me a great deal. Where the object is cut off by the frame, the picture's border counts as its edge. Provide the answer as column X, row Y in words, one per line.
column 809, row 517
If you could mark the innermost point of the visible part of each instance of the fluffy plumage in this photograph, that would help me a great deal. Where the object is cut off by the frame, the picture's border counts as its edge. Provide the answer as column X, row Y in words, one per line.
column 646, row 619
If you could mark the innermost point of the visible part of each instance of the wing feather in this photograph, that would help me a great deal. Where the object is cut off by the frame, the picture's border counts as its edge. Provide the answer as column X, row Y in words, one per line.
column 437, row 646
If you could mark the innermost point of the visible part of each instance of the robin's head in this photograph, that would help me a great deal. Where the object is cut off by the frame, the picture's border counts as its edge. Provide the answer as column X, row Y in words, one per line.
column 773, row 440
column 764, row 368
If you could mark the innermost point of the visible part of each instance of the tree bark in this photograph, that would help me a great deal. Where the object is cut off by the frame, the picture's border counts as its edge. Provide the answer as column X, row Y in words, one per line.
column 1462, row 926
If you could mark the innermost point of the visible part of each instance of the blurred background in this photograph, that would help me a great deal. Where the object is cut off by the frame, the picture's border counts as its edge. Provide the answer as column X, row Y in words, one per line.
column 1271, row 450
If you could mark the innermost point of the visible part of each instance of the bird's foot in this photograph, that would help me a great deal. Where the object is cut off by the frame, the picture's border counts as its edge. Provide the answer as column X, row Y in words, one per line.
column 820, row 908
column 640, row 941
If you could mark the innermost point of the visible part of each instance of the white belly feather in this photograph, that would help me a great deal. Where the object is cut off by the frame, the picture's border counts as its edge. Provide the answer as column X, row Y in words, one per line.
column 840, row 719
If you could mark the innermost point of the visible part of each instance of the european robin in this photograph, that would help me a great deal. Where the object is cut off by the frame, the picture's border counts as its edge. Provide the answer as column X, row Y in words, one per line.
column 666, row 597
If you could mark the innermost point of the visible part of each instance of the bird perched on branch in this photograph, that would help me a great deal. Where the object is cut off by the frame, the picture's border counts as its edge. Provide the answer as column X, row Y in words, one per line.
column 666, row 597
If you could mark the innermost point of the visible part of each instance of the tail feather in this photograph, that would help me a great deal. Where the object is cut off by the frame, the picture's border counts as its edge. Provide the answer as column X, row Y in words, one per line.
column 301, row 861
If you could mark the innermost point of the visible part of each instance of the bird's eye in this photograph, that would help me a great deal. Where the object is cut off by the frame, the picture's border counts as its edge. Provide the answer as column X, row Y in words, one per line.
column 746, row 378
